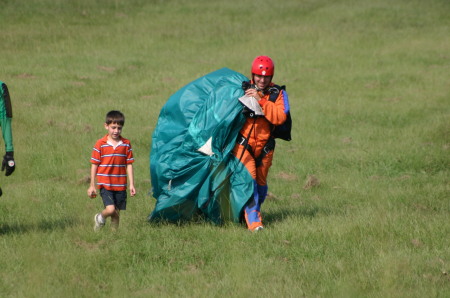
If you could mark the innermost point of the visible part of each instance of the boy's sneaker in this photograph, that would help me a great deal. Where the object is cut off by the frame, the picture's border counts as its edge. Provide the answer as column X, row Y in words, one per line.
column 99, row 222
column 260, row 228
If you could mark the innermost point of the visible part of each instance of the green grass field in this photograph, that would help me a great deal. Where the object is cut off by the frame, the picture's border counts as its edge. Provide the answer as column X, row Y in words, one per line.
column 368, row 83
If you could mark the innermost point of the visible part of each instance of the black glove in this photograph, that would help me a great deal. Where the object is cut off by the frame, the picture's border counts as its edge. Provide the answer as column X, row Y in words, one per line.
column 247, row 85
column 8, row 163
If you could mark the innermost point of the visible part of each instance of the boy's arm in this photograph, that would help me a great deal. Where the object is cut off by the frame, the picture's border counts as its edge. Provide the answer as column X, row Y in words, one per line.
column 92, row 191
column 131, row 179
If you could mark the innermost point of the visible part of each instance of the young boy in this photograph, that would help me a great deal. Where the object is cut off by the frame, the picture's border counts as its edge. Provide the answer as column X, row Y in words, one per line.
column 112, row 159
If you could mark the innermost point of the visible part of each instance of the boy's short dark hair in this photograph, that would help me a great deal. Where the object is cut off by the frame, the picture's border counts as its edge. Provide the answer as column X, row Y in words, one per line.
column 115, row 117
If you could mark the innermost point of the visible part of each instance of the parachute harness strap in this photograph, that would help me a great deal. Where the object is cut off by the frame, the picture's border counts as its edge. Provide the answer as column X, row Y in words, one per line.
column 240, row 158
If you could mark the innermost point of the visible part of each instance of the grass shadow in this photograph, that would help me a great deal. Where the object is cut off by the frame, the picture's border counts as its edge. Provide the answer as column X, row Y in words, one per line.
column 42, row 226
column 268, row 217
column 308, row 212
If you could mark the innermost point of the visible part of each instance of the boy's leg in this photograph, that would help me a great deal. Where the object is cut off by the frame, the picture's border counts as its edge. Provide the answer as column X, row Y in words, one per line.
column 100, row 218
column 115, row 218
column 114, row 202
column 120, row 201
column 109, row 210
column 108, row 202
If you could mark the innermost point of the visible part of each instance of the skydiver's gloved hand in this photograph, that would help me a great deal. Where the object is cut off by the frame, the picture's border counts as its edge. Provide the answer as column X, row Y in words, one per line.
column 247, row 85
column 8, row 163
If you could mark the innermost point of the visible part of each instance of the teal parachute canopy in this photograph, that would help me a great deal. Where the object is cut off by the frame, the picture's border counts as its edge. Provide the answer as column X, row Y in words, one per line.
column 192, row 169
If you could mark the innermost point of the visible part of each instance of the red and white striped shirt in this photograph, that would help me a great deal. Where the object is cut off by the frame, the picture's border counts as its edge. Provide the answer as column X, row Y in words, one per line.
column 112, row 163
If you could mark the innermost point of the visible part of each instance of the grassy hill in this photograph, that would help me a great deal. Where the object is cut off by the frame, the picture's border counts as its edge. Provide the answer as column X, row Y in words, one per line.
column 359, row 199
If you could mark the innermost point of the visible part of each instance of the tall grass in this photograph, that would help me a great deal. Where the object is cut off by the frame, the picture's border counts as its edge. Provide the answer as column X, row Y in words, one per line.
column 368, row 85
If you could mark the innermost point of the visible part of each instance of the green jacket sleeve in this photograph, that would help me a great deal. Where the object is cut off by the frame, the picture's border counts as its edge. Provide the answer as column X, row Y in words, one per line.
column 6, row 117
column 7, row 134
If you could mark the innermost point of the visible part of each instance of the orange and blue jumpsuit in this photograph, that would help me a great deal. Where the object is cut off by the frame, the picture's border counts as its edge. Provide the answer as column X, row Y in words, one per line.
column 255, row 134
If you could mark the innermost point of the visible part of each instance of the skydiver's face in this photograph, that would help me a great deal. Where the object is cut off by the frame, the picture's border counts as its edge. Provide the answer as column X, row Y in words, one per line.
column 262, row 82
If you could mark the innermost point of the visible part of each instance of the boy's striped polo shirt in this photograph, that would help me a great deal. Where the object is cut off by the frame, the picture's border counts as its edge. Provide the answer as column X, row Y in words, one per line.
column 112, row 163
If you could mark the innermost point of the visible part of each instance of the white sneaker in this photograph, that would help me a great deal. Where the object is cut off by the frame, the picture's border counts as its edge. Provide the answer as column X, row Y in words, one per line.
column 99, row 223
column 260, row 228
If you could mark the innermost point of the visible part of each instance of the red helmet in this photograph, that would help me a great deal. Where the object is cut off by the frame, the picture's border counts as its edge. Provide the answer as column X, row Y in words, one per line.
column 263, row 65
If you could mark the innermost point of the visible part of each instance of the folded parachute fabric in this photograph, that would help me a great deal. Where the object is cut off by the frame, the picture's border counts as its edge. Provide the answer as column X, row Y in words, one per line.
column 192, row 169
